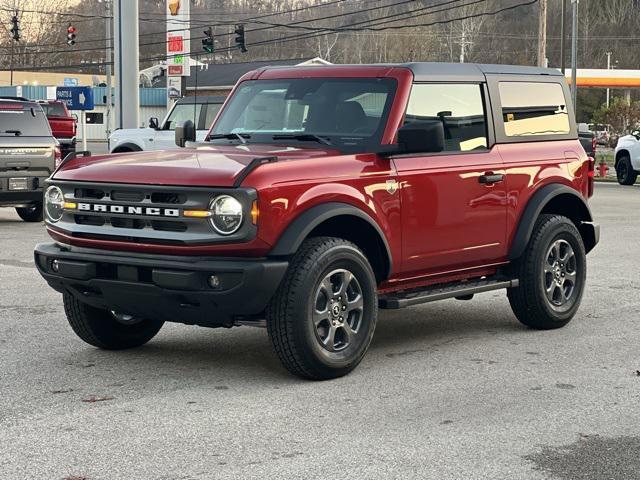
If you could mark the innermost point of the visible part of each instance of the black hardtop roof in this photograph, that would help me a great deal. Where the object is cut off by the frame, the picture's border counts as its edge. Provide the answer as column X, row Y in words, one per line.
column 429, row 70
column 426, row 71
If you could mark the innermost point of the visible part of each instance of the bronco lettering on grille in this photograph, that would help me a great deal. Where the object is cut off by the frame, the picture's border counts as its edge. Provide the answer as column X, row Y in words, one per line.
column 129, row 210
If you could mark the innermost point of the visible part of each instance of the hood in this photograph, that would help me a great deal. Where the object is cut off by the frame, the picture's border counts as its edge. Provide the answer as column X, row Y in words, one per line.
column 206, row 166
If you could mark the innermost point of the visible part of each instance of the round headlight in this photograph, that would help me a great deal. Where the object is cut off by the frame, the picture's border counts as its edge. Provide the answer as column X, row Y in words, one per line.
column 54, row 203
column 226, row 215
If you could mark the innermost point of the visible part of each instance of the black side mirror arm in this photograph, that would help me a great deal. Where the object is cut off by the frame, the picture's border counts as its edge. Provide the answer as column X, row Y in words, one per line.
column 389, row 150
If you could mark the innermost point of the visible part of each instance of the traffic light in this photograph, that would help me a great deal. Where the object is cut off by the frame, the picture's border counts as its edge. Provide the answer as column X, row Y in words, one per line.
column 71, row 35
column 15, row 27
column 207, row 42
column 240, row 43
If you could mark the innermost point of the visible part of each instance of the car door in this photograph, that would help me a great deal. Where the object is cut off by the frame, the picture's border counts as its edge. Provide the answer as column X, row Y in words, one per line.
column 454, row 205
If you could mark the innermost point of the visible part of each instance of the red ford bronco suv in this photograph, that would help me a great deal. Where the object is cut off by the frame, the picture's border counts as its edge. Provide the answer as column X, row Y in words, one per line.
column 321, row 194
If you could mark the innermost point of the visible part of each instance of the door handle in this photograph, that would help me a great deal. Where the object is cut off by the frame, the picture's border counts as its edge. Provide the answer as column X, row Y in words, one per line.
column 490, row 178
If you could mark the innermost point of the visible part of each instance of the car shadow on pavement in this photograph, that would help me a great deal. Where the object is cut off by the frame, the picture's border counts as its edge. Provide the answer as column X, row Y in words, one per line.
column 441, row 323
column 191, row 355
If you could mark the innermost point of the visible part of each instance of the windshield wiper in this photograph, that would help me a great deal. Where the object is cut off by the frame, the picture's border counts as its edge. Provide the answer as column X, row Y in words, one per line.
column 231, row 136
column 311, row 137
column 14, row 132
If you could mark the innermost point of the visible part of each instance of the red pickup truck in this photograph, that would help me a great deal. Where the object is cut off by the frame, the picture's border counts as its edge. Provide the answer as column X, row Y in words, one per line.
column 63, row 124
column 322, row 194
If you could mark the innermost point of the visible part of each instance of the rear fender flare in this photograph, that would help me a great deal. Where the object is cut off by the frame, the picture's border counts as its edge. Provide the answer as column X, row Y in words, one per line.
column 532, row 211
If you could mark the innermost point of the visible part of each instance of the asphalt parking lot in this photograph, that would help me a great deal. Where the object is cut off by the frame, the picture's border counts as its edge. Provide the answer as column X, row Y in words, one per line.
column 450, row 390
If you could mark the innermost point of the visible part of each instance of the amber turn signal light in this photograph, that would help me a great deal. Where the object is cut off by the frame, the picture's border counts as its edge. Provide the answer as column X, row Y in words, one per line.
column 255, row 212
column 197, row 213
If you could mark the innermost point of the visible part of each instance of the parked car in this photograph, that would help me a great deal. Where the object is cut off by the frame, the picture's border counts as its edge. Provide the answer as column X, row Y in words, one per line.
column 28, row 155
column 160, row 135
column 63, row 124
column 324, row 193
column 587, row 139
column 627, row 158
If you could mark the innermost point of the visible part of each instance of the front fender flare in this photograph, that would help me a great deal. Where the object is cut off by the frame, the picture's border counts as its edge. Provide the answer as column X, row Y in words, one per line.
column 303, row 225
column 134, row 147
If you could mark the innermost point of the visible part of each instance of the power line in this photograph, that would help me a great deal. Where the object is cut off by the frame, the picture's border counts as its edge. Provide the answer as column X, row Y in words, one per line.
column 164, row 42
column 317, row 34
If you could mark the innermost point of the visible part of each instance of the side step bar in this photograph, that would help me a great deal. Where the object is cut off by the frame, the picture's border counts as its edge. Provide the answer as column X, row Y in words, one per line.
column 441, row 292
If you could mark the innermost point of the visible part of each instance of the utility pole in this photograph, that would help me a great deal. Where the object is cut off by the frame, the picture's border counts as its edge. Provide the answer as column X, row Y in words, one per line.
column 608, row 68
column 574, row 54
column 542, row 33
column 126, row 64
column 463, row 45
column 107, row 67
column 563, row 36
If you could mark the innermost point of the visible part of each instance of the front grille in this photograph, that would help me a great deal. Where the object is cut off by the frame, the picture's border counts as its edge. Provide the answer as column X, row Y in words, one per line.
column 134, row 221
column 88, row 193
column 146, row 214
column 127, row 196
column 168, row 197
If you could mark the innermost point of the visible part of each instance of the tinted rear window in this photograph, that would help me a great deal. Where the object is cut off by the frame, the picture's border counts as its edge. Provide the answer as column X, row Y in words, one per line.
column 531, row 108
column 23, row 120
column 54, row 109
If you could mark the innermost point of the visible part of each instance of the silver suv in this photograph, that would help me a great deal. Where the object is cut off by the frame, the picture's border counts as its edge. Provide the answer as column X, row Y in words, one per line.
column 28, row 155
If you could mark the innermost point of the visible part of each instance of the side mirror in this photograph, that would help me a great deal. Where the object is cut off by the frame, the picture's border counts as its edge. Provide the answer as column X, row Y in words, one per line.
column 153, row 123
column 185, row 132
column 421, row 137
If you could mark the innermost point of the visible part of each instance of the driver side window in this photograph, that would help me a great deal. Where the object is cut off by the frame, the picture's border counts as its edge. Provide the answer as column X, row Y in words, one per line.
column 181, row 113
column 460, row 109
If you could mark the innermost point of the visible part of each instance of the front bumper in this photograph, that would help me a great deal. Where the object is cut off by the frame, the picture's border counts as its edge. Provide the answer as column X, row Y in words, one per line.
column 169, row 288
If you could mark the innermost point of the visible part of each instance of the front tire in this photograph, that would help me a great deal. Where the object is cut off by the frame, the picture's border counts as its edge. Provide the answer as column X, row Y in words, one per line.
column 552, row 274
column 322, row 318
column 625, row 173
column 103, row 329
column 31, row 214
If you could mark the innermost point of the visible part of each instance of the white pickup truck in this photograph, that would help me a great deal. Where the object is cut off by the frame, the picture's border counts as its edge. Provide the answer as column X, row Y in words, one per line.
column 627, row 155
column 201, row 110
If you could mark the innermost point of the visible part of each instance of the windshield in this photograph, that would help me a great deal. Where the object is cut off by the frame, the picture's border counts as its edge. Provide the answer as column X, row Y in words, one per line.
column 349, row 114
column 24, row 121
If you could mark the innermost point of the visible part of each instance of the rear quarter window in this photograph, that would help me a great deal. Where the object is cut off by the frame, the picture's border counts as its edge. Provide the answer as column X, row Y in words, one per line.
column 534, row 109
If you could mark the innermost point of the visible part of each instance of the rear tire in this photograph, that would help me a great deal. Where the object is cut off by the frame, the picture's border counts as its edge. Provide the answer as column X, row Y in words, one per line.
column 625, row 173
column 552, row 274
column 322, row 318
column 101, row 329
column 31, row 214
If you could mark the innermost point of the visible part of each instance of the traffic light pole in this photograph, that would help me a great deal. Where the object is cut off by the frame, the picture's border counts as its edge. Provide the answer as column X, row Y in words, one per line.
column 11, row 64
